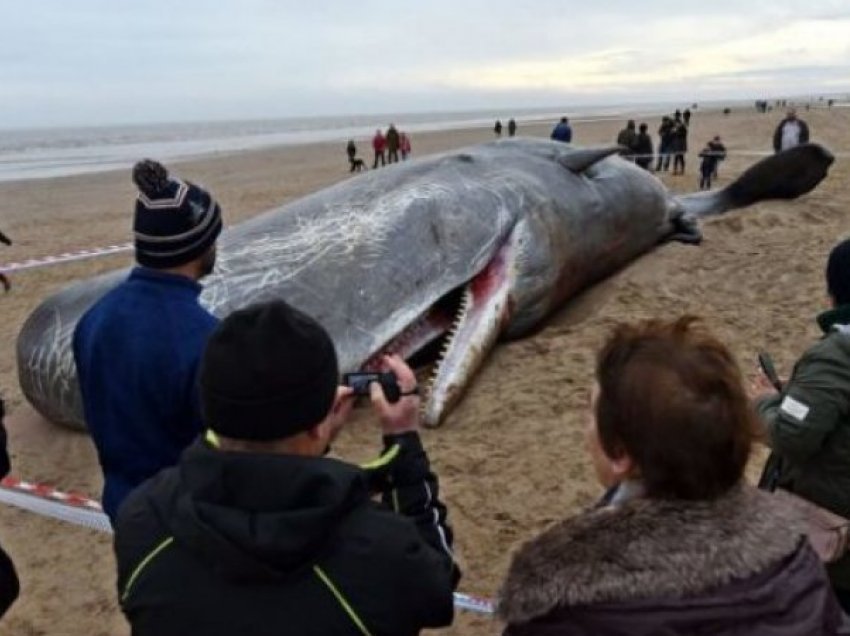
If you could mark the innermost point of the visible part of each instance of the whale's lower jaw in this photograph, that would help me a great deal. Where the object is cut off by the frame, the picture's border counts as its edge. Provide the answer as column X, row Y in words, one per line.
column 484, row 310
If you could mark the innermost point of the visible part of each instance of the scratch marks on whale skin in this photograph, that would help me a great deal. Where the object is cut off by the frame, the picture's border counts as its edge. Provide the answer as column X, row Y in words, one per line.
column 51, row 365
column 284, row 253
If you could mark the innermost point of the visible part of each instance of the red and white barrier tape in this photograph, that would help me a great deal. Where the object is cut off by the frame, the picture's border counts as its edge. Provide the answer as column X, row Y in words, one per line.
column 67, row 257
column 44, row 491
column 49, row 502
column 80, row 510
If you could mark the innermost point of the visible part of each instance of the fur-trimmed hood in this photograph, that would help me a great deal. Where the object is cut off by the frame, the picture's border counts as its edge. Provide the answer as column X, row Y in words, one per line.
column 648, row 549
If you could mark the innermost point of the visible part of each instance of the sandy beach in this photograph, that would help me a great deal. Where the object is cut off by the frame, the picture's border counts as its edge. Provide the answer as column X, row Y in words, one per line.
column 511, row 457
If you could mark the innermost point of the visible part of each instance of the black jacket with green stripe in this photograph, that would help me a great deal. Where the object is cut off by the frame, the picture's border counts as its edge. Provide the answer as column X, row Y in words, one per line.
column 237, row 543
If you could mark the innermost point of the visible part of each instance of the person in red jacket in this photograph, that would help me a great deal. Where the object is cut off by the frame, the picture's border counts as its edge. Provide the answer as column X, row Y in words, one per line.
column 405, row 146
column 379, row 145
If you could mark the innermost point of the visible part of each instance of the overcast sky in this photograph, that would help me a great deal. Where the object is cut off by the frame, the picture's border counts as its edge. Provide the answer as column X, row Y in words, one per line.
column 67, row 62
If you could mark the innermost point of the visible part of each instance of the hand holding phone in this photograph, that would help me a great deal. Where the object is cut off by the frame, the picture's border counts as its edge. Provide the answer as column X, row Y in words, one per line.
column 394, row 394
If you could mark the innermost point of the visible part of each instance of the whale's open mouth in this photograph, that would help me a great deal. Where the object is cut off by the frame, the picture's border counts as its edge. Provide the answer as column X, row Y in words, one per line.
column 464, row 324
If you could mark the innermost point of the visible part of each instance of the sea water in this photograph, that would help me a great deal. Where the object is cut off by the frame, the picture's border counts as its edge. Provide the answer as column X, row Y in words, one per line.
column 53, row 152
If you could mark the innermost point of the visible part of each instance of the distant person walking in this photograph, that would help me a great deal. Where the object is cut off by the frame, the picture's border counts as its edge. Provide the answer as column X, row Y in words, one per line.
column 393, row 142
column 719, row 149
column 405, row 146
column 790, row 132
column 4, row 282
column 379, row 145
column 643, row 148
column 665, row 141
column 498, row 128
column 562, row 131
column 708, row 166
column 512, row 127
column 627, row 139
column 351, row 151
column 679, row 144
column 686, row 117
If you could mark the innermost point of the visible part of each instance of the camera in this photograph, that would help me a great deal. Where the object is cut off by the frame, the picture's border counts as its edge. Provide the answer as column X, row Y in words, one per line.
column 360, row 382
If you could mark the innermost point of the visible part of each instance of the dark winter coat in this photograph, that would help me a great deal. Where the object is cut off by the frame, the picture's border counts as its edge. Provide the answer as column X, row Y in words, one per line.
column 678, row 138
column 777, row 134
column 808, row 426
column 562, row 132
column 9, row 586
column 648, row 567
column 643, row 148
column 392, row 139
column 237, row 543
column 627, row 138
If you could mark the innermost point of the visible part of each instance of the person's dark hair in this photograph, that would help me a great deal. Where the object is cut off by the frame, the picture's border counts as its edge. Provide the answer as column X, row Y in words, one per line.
column 838, row 273
column 563, row 120
column 643, row 127
column 672, row 398
column 630, row 123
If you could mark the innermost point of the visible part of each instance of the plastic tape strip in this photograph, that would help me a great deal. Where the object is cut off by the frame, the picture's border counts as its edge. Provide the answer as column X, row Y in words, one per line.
column 69, row 257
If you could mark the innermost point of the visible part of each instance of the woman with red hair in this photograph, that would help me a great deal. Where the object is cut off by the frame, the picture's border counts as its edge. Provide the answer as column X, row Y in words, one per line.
column 680, row 544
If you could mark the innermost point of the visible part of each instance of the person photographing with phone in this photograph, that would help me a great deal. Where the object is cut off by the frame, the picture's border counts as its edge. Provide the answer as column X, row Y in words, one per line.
column 807, row 422
column 257, row 531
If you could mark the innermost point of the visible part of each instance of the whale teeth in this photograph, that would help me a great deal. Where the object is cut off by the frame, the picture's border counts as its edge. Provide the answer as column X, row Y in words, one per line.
column 463, row 309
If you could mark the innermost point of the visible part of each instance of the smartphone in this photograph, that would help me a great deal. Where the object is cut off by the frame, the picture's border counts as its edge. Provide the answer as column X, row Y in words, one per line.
column 360, row 381
column 767, row 366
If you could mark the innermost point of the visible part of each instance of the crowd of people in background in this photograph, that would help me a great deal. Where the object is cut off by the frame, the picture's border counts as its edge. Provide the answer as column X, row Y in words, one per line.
column 385, row 147
column 512, row 128
column 636, row 142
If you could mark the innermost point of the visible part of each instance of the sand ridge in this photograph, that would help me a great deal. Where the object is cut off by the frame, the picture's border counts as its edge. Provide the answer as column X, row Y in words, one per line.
column 511, row 457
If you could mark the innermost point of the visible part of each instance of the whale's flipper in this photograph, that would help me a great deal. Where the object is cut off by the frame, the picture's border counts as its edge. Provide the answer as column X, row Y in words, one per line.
column 785, row 175
column 581, row 159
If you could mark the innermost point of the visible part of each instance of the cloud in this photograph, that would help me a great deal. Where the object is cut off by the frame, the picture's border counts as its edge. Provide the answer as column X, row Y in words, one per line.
column 94, row 61
column 811, row 44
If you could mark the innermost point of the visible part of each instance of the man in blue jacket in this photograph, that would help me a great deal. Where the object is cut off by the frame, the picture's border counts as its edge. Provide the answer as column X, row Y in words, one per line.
column 563, row 132
column 138, row 348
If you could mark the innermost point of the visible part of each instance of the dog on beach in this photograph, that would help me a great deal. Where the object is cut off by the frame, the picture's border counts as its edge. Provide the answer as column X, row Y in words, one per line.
column 357, row 165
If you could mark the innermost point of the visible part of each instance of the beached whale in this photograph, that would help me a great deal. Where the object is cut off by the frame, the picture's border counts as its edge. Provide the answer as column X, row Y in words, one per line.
column 472, row 245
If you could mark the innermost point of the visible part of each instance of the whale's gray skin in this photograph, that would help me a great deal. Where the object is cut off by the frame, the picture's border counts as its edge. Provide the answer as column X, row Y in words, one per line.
column 506, row 230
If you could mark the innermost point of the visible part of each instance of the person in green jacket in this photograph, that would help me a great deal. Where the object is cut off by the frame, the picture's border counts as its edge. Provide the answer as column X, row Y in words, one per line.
column 807, row 423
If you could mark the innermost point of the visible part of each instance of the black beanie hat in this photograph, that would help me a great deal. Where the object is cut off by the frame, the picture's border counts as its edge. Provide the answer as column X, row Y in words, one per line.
column 268, row 372
column 838, row 273
column 175, row 221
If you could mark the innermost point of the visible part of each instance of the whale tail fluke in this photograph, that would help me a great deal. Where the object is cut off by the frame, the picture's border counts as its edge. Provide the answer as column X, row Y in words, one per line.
column 785, row 175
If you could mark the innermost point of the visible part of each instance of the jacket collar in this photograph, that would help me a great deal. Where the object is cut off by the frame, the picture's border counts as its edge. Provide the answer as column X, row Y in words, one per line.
column 158, row 277
column 836, row 318
column 647, row 548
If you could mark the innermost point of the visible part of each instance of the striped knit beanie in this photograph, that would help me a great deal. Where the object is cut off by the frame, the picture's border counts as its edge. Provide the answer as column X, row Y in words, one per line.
column 175, row 221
